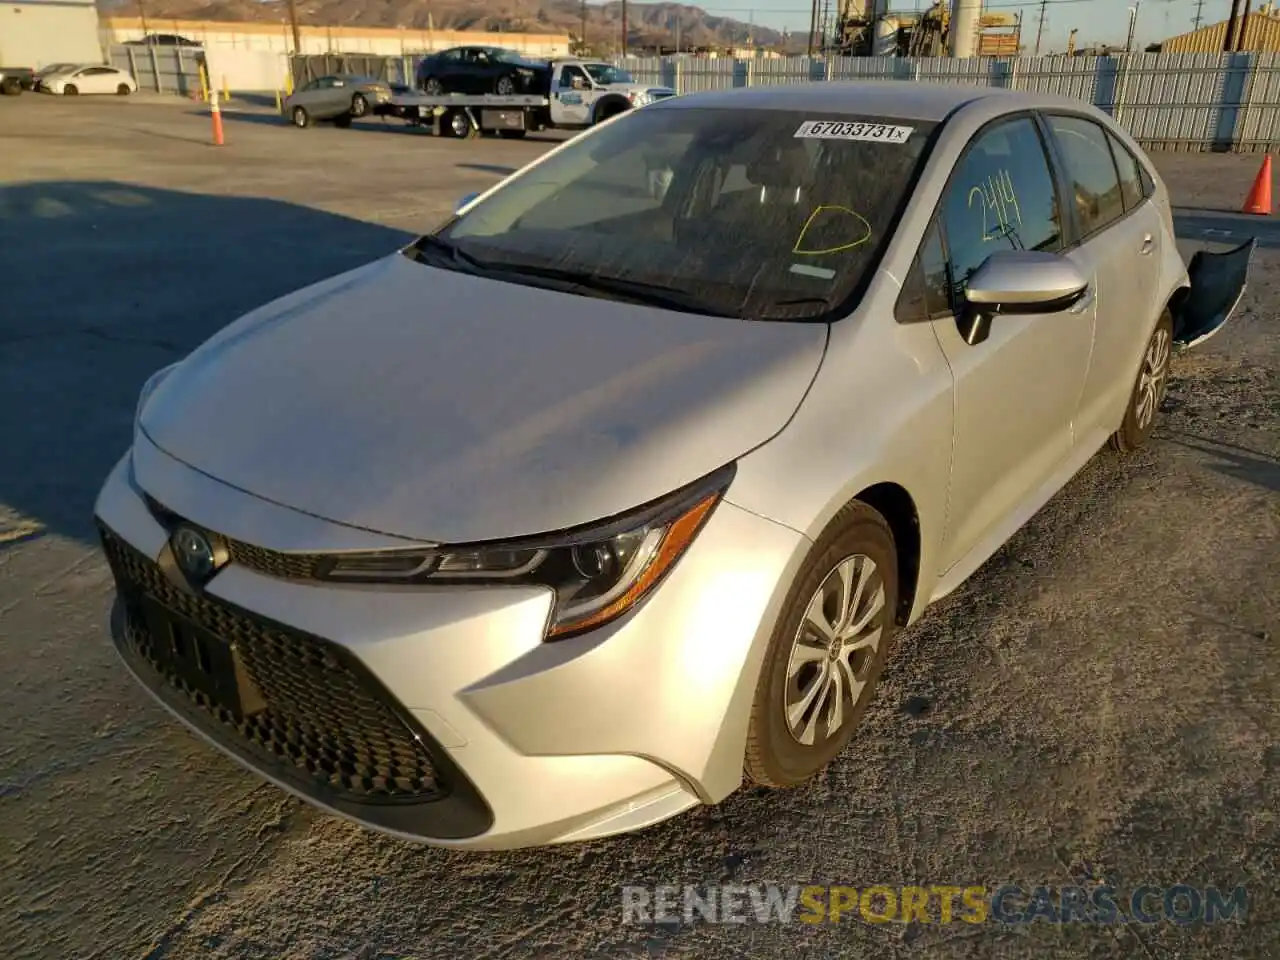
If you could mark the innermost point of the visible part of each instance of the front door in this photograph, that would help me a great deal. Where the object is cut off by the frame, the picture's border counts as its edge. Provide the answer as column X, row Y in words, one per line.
column 1015, row 391
column 572, row 97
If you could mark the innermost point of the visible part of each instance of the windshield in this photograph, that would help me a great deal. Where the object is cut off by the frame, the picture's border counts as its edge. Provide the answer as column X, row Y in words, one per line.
column 753, row 213
column 607, row 73
column 506, row 56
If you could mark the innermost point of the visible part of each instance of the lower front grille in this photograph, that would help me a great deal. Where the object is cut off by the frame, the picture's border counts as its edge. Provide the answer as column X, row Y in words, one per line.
column 300, row 705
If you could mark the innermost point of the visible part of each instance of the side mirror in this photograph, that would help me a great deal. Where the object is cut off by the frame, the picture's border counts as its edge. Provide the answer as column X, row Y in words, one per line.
column 1019, row 282
column 464, row 201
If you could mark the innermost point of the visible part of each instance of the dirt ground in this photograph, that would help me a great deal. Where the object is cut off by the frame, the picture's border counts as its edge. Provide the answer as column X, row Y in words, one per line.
column 1100, row 701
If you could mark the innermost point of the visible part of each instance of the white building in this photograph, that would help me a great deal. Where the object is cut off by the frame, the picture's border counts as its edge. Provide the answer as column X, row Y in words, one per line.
column 34, row 33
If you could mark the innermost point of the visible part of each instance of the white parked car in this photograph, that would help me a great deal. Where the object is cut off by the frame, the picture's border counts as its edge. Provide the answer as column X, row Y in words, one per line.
column 92, row 78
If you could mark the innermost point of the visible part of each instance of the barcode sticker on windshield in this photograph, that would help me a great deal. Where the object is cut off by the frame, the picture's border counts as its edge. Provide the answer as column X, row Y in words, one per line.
column 843, row 130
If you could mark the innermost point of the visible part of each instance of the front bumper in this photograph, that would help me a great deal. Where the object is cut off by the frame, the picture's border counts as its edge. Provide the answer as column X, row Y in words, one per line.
column 440, row 714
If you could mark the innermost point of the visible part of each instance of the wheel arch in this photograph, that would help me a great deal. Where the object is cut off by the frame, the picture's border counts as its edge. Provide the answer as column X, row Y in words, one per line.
column 895, row 504
column 609, row 105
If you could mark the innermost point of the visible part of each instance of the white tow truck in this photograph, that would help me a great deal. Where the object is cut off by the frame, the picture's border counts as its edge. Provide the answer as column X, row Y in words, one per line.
column 571, row 94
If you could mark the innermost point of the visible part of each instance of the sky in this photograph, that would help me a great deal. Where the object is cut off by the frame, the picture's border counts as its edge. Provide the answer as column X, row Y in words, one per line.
column 1099, row 21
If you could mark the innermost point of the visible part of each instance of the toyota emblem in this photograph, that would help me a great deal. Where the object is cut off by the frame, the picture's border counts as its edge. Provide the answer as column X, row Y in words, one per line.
column 194, row 553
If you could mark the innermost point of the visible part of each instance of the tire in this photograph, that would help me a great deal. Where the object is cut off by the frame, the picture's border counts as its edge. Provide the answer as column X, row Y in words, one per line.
column 512, row 134
column 11, row 88
column 123, row 90
column 859, row 540
column 1149, row 388
column 609, row 110
column 301, row 118
column 505, row 85
column 70, row 90
column 432, row 87
column 342, row 121
column 359, row 105
column 457, row 125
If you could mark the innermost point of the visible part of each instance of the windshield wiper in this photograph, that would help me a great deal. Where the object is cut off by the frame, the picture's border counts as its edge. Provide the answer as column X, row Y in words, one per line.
column 637, row 291
column 438, row 245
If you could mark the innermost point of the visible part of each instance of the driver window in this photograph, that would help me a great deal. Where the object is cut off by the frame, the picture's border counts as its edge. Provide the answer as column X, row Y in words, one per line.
column 1001, row 197
column 571, row 77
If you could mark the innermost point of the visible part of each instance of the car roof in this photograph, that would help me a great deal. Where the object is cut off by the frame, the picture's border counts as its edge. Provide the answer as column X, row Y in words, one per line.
column 875, row 98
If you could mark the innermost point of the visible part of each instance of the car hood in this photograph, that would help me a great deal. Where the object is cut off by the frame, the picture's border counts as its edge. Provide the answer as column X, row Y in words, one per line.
column 438, row 406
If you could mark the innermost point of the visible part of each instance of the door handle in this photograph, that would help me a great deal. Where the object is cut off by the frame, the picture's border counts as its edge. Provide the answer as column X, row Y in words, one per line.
column 1148, row 245
column 1084, row 303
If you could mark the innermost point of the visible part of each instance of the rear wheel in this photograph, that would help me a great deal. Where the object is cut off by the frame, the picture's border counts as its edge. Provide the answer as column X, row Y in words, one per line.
column 505, row 86
column 123, row 90
column 10, row 88
column 70, row 90
column 433, row 87
column 827, row 651
column 1148, row 390
column 301, row 118
column 359, row 105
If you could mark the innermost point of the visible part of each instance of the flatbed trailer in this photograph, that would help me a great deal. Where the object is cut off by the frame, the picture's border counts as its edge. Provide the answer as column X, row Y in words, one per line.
column 568, row 98
column 469, row 115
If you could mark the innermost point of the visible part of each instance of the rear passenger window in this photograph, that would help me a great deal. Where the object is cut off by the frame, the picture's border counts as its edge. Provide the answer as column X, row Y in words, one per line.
column 1091, row 170
column 1001, row 197
column 1132, row 182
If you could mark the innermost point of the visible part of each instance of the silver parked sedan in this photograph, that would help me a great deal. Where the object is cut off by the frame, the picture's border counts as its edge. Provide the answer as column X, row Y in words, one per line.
column 340, row 98
column 612, row 492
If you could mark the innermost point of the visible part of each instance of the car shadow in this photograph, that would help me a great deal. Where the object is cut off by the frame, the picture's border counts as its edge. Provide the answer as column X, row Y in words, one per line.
column 121, row 281
column 1232, row 460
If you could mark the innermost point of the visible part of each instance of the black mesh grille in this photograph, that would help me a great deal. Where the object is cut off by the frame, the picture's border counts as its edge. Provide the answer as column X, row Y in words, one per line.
column 325, row 722
column 287, row 566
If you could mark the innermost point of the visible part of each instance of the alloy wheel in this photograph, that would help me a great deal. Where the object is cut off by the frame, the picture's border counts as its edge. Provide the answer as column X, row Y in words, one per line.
column 1153, row 380
column 834, row 650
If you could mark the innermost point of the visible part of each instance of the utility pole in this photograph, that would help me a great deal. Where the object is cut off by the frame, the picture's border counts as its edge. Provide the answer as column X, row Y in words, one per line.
column 582, row 35
column 813, row 24
column 624, row 27
column 1229, row 43
column 1242, row 34
column 1133, row 26
column 293, row 22
column 1199, row 17
column 142, row 15
column 1044, row 12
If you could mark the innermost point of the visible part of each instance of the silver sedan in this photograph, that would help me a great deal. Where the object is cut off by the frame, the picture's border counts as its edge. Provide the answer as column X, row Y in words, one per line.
column 612, row 493
column 340, row 98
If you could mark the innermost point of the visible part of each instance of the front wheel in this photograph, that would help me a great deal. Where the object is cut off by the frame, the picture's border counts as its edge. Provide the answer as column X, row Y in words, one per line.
column 827, row 651
column 433, row 87
column 505, row 86
column 70, row 90
column 123, row 90
column 359, row 105
column 301, row 118
column 1148, row 390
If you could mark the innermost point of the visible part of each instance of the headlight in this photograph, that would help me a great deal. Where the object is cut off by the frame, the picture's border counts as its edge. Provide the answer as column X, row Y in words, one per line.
column 640, row 99
column 149, row 388
column 597, row 573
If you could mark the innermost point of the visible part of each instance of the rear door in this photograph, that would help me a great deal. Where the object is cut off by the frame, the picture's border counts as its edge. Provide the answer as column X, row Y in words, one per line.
column 1119, row 235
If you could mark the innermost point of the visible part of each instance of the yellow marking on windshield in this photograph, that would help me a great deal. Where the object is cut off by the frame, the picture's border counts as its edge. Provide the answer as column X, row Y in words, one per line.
column 817, row 212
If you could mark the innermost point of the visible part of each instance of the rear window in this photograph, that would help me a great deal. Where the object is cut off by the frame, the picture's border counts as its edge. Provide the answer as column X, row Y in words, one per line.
column 757, row 213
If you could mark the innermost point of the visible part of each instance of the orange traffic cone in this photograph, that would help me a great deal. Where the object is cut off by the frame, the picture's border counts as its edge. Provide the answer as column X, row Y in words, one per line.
column 217, row 119
column 1259, row 200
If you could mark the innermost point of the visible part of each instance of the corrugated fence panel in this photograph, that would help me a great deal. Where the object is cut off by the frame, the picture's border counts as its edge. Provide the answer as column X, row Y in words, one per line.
column 1260, row 124
column 1183, row 100
column 1061, row 76
column 160, row 69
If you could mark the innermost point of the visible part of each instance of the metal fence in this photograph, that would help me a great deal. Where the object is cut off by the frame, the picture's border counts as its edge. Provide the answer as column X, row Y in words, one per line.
column 160, row 69
column 307, row 67
column 1182, row 101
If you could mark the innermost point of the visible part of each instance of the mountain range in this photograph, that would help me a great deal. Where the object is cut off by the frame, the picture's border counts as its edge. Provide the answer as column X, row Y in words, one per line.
column 648, row 24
